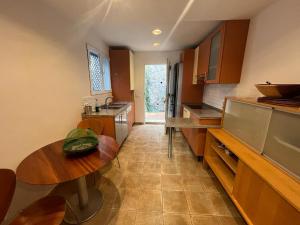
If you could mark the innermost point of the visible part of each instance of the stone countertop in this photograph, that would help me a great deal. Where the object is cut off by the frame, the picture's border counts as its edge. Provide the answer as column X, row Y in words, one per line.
column 108, row 112
column 179, row 122
column 205, row 112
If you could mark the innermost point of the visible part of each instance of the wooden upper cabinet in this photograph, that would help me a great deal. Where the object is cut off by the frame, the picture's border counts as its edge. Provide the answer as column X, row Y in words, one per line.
column 131, row 56
column 122, row 74
column 195, row 69
column 190, row 93
column 203, row 57
column 227, row 47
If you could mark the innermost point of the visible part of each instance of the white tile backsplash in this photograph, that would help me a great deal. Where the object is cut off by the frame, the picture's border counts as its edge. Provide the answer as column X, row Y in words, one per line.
column 91, row 100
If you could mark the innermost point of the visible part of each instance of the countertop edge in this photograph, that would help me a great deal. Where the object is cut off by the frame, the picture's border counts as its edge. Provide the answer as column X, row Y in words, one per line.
column 113, row 112
column 204, row 116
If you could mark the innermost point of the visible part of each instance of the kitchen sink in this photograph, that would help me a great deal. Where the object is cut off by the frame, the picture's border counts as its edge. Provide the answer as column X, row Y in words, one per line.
column 113, row 106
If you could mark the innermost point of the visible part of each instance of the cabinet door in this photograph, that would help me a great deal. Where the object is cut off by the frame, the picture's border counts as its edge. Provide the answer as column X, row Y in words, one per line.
column 203, row 57
column 131, row 58
column 195, row 70
column 118, row 128
column 215, row 57
column 260, row 203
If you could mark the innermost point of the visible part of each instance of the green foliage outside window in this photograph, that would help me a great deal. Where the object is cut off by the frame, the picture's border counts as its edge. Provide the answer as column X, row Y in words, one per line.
column 155, row 88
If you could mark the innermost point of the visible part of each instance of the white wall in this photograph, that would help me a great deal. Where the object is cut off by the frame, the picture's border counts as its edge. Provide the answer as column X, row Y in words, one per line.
column 44, row 75
column 140, row 60
column 272, row 52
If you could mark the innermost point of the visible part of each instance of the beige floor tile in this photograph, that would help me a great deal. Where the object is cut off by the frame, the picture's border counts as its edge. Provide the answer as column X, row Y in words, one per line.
column 222, row 204
column 115, row 176
column 153, row 157
column 138, row 156
column 151, row 189
column 122, row 218
column 109, row 193
column 226, row 220
column 211, row 184
column 169, row 168
column 200, row 203
column 134, row 167
column 177, row 219
column 149, row 218
column 192, row 183
column 150, row 201
column 127, row 199
column 195, row 169
column 152, row 167
column 130, row 181
column 150, row 181
column 171, row 182
column 175, row 202
column 205, row 220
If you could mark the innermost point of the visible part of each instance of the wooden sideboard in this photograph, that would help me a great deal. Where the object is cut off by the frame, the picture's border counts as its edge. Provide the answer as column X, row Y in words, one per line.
column 263, row 193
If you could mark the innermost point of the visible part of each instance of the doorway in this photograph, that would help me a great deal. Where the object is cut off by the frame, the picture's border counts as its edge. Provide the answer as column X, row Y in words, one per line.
column 155, row 93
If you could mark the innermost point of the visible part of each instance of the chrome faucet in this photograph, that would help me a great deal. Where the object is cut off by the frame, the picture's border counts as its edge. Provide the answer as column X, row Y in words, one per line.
column 106, row 99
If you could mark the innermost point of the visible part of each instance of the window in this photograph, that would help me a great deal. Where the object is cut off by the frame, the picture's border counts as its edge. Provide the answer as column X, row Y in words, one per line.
column 99, row 72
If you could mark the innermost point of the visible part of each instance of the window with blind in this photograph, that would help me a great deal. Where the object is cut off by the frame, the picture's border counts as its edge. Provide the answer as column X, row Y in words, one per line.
column 99, row 70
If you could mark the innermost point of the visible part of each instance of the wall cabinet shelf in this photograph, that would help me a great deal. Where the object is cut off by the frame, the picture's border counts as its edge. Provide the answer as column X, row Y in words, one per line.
column 231, row 163
column 225, row 176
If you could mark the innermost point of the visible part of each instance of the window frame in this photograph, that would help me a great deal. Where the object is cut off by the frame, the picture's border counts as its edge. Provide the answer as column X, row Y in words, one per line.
column 90, row 49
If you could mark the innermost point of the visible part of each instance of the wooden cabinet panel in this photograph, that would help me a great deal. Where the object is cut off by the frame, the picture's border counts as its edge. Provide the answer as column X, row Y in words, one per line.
column 227, row 49
column 196, row 137
column 131, row 117
column 203, row 57
column 120, row 70
column 131, row 70
column 259, row 202
column 195, row 69
column 190, row 93
column 108, row 125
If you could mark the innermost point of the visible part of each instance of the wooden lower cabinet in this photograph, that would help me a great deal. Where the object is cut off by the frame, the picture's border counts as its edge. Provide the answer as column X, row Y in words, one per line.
column 131, row 117
column 196, row 137
column 259, row 202
column 249, row 181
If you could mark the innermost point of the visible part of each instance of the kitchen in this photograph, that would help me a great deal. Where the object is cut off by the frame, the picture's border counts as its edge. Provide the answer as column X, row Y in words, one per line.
column 224, row 52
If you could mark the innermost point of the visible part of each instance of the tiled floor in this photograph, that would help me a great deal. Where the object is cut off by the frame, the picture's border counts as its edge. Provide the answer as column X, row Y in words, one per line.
column 155, row 117
column 150, row 189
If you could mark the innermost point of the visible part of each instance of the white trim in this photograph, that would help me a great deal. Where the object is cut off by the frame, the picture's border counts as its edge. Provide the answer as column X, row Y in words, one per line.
column 102, row 56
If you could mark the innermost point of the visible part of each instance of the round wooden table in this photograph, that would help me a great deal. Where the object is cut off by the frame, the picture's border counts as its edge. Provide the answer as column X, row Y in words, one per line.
column 49, row 165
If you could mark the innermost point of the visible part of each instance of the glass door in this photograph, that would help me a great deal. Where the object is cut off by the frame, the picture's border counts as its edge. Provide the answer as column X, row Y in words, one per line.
column 214, row 57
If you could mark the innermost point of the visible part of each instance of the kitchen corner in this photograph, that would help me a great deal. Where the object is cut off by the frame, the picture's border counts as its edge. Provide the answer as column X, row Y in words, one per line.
column 205, row 115
column 117, row 119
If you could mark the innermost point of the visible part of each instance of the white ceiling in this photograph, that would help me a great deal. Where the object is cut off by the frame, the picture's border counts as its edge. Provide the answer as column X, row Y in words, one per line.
column 130, row 22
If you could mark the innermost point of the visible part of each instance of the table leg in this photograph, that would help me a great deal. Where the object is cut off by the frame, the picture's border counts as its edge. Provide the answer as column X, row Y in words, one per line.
column 170, row 144
column 85, row 204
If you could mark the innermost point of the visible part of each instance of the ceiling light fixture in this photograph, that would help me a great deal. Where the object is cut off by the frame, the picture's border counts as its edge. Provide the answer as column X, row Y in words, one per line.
column 156, row 31
column 155, row 44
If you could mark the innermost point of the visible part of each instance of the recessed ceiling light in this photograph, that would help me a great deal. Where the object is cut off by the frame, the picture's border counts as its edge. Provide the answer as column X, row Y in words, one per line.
column 155, row 44
column 156, row 32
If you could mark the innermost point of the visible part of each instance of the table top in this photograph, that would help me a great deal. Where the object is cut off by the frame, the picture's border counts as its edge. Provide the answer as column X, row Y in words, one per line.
column 179, row 122
column 49, row 165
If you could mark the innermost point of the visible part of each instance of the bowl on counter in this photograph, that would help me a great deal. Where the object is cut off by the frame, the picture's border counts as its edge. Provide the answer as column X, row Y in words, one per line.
column 279, row 90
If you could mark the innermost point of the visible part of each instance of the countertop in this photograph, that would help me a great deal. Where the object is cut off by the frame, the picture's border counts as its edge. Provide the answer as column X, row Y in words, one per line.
column 187, row 123
column 108, row 112
column 205, row 112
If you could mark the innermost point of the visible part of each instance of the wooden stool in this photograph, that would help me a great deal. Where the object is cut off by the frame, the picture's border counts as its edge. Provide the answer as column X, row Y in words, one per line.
column 47, row 211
